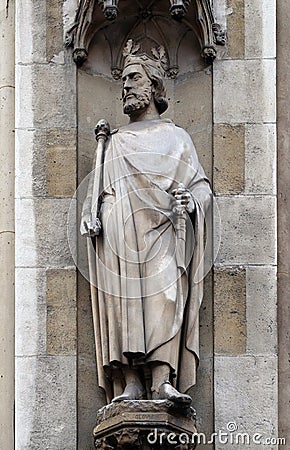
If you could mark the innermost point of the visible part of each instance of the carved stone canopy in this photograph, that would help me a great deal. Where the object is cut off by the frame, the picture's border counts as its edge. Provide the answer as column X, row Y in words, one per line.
column 162, row 22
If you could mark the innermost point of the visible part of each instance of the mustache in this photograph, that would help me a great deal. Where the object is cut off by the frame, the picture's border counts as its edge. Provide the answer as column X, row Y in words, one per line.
column 138, row 96
column 134, row 94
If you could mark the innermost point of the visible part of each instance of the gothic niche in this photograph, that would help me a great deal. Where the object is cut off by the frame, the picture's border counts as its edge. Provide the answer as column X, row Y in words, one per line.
column 150, row 23
column 185, row 30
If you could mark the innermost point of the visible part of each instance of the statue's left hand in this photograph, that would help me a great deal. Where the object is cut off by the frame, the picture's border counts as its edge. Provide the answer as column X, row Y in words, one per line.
column 183, row 198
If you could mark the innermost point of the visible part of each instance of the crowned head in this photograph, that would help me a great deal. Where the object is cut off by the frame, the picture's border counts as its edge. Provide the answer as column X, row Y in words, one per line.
column 147, row 75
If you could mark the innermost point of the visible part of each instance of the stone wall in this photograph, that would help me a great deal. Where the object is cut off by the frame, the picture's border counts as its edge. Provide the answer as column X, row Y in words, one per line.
column 245, row 335
column 7, row 224
column 45, row 184
column 283, row 169
column 232, row 119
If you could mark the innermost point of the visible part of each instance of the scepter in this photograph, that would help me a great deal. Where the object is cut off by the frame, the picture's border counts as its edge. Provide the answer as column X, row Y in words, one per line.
column 102, row 132
column 93, row 201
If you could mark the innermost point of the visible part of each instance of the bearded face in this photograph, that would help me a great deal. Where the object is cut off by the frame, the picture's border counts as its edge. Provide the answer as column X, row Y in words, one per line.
column 137, row 89
column 136, row 101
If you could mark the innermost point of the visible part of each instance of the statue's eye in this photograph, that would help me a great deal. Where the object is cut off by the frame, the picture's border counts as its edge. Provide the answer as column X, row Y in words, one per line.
column 136, row 77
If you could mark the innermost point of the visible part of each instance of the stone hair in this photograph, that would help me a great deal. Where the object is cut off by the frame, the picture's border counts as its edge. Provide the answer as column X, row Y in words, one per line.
column 160, row 92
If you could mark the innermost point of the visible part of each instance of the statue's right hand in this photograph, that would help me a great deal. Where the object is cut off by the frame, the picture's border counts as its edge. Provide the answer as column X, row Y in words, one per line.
column 86, row 220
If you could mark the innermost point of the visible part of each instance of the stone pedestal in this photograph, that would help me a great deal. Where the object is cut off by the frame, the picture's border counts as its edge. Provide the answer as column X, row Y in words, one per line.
column 146, row 425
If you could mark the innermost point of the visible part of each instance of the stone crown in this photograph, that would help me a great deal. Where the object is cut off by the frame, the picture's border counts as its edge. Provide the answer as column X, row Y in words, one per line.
column 158, row 61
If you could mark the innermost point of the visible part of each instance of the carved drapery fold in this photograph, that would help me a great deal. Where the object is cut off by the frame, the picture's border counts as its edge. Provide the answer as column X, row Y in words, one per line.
column 111, row 15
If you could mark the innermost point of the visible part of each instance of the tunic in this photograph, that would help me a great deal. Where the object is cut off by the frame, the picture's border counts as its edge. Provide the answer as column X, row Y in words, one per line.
column 146, row 291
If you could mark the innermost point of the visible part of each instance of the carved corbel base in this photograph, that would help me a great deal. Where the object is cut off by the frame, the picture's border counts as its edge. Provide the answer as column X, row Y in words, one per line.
column 146, row 425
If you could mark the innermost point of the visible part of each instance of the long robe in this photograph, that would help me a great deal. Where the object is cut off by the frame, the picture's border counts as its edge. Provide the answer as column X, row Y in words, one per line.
column 146, row 291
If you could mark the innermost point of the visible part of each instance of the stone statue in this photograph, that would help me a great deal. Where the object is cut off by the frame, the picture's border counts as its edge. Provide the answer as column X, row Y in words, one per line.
column 144, row 217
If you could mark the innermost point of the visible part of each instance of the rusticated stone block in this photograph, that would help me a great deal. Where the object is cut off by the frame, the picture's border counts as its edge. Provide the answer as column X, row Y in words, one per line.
column 246, row 400
column 261, row 17
column 247, row 230
column 30, row 177
column 38, row 242
column 230, row 327
column 229, row 159
column 30, row 312
column 236, row 29
column 61, row 311
column 31, row 32
column 261, row 310
column 260, row 168
column 45, row 403
column 248, row 82
column 50, row 162
column 54, row 106
column 60, row 287
column 54, row 28
column 53, row 247
column 26, row 254
column 61, row 162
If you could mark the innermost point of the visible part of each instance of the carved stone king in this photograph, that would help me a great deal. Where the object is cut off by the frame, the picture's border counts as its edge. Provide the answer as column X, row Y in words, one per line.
column 144, row 218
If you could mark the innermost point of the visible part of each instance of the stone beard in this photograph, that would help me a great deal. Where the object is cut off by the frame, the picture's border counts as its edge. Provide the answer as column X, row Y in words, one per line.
column 146, row 283
column 135, row 101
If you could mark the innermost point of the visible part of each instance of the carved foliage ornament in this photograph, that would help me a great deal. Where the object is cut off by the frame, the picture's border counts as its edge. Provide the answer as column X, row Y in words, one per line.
column 93, row 15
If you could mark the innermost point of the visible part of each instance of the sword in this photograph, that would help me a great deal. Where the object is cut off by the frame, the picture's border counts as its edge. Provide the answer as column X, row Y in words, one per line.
column 180, row 211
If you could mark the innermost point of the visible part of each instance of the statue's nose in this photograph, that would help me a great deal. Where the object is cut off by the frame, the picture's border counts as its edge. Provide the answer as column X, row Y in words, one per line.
column 127, row 84
column 126, row 90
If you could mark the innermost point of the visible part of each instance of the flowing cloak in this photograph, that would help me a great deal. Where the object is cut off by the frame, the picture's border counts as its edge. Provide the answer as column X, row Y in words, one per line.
column 145, row 293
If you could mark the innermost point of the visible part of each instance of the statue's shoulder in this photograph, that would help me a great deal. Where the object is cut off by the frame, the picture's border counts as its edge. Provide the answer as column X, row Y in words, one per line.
column 182, row 134
column 179, row 129
column 174, row 126
column 176, row 131
column 166, row 126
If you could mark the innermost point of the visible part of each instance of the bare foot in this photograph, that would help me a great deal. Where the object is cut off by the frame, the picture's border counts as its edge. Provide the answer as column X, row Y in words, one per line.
column 168, row 392
column 132, row 391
